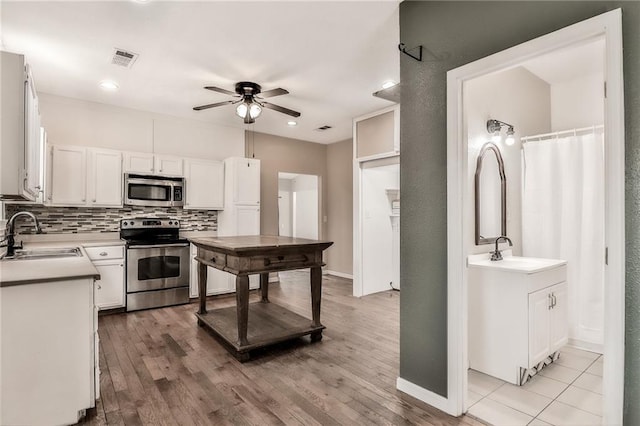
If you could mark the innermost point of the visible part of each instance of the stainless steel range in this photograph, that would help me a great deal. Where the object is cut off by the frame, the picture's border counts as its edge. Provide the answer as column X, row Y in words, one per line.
column 157, row 263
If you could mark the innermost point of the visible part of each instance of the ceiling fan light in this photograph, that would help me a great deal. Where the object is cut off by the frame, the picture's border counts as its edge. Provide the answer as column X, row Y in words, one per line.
column 241, row 110
column 254, row 110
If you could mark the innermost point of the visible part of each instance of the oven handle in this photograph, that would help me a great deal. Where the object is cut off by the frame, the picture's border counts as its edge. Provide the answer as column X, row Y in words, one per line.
column 160, row 245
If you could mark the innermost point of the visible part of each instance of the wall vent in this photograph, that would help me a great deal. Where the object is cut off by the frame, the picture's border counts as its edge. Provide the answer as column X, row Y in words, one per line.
column 322, row 128
column 123, row 58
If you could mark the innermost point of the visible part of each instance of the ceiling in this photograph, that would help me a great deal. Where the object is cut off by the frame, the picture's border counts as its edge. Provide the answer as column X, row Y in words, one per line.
column 330, row 56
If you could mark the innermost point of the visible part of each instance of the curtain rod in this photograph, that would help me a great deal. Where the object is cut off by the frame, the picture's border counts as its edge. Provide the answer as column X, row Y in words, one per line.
column 555, row 134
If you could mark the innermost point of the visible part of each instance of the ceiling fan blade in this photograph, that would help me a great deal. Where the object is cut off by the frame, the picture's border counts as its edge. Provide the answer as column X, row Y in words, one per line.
column 201, row 107
column 219, row 90
column 273, row 92
column 281, row 109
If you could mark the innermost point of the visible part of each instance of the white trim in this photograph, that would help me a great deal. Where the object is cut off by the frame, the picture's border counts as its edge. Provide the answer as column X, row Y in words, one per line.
column 431, row 398
column 377, row 156
column 338, row 274
column 609, row 26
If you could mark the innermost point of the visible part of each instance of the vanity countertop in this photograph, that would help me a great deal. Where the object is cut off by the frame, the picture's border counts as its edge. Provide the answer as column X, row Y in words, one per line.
column 518, row 264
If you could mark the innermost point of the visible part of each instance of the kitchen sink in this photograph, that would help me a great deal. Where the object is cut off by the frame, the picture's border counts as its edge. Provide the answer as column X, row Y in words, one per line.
column 46, row 253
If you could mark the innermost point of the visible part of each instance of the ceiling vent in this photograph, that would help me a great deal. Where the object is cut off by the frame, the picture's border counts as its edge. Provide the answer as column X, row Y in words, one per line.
column 325, row 127
column 123, row 58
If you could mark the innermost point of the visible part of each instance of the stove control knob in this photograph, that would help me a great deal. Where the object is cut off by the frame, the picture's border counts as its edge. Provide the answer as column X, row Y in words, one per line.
column 170, row 223
column 131, row 223
column 176, row 223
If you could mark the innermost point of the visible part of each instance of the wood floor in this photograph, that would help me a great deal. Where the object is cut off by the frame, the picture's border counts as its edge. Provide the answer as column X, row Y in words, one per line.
column 159, row 368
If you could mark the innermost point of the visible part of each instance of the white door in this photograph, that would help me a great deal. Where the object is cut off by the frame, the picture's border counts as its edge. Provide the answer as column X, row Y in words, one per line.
column 284, row 213
column 110, row 287
column 169, row 166
column 138, row 162
column 559, row 322
column 204, row 184
column 247, row 179
column 539, row 307
column 68, row 176
column 106, row 178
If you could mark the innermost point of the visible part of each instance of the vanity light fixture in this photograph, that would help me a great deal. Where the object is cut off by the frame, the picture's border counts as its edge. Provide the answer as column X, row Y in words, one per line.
column 495, row 126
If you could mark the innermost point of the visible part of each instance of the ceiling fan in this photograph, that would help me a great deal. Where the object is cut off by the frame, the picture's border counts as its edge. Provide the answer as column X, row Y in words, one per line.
column 249, row 103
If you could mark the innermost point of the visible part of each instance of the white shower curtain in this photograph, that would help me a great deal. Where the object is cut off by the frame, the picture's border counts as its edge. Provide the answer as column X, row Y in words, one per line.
column 563, row 218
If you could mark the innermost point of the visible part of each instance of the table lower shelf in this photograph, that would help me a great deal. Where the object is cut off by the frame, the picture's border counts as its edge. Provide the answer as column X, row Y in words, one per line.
column 268, row 324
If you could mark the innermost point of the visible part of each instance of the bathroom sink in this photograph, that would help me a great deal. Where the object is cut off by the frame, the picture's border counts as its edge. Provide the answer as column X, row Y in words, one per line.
column 46, row 253
column 525, row 265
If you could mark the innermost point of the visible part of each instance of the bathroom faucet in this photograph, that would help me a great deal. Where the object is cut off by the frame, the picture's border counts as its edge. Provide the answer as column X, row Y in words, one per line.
column 11, row 244
column 497, row 255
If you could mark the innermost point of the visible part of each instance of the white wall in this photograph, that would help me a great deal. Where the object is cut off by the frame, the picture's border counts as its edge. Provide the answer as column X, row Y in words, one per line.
column 75, row 122
column 305, row 206
column 519, row 98
column 377, row 228
column 577, row 103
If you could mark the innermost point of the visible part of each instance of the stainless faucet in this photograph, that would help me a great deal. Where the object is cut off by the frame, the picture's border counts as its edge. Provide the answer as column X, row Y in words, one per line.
column 11, row 244
column 497, row 255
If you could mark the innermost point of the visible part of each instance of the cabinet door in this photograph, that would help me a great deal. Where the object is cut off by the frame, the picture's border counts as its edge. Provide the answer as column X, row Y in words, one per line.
column 539, row 307
column 110, row 287
column 218, row 282
column 169, row 166
column 247, row 220
column 247, row 181
column 138, row 162
column 68, row 176
column 105, row 182
column 559, row 322
column 33, row 143
column 204, row 184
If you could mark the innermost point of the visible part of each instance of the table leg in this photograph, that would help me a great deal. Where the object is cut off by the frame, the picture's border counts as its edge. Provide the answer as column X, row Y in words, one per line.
column 316, row 294
column 242, row 307
column 264, row 287
column 202, row 287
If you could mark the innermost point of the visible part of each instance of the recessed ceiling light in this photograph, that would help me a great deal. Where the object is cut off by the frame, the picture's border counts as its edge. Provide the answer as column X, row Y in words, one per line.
column 109, row 85
column 292, row 123
column 388, row 83
column 142, row 1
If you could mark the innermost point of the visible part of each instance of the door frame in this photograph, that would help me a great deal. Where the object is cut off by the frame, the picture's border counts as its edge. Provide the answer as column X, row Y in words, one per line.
column 609, row 27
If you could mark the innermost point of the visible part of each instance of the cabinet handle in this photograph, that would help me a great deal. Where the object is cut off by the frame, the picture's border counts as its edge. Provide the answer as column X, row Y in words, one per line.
column 94, row 200
column 550, row 301
column 553, row 296
column 99, row 286
column 104, row 253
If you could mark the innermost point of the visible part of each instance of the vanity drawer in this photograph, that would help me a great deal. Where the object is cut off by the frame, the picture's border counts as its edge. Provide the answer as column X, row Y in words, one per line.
column 106, row 252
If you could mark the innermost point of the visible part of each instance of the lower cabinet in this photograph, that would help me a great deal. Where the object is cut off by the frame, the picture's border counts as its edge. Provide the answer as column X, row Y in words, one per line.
column 109, row 261
column 218, row 282
column 548, row 322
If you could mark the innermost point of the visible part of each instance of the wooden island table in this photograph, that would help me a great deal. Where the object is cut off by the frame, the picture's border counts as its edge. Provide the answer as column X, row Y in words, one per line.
column 258, row 254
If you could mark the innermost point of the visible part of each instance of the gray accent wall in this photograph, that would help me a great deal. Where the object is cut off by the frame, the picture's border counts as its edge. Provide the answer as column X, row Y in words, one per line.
column 453, row 34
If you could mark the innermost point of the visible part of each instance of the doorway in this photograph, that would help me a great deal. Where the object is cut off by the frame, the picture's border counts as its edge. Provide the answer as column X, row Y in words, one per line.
column 298, row 205
column 608, row 28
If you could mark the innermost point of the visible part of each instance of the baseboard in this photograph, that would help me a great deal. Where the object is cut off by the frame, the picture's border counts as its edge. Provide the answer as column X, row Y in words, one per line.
column 338, row 274
column 587, row 346
column 424, row 395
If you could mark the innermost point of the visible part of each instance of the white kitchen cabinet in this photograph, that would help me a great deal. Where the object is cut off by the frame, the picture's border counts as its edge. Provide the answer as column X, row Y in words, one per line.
column 138, row 162
column 244, row 175
column 49, row 357
column 82, row 176
column 153, row 164
column 68, row 168
column 517, row 315
column 109, row 261
column 218, row 282
column 204, row 184
column 105, row 178
column 168, row 165
column 20, row 138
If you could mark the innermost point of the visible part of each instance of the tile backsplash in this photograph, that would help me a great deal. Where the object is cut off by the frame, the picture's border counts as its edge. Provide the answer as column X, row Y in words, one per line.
column 72, row 220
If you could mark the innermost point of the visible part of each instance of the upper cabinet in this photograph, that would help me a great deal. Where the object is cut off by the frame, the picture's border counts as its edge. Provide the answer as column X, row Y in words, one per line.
column 245, row 176
column 377, row 135
column 80, row 176
column 204, row 184
column 20, row 135
column 156, row 164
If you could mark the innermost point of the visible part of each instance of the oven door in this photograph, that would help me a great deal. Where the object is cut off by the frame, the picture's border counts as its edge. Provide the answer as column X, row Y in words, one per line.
column 154, row 267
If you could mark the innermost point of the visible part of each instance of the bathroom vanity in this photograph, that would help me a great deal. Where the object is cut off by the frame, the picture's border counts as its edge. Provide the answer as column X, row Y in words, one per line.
column 517, row 314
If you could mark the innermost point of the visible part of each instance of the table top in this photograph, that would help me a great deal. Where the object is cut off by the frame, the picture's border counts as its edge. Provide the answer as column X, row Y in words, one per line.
column 247, row 244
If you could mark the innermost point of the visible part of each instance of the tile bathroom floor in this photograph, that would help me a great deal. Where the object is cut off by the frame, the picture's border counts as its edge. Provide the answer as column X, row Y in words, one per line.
column 565, row 393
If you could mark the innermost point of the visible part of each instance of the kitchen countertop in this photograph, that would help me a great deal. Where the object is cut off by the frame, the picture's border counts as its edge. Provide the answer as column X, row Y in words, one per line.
column 33, row 271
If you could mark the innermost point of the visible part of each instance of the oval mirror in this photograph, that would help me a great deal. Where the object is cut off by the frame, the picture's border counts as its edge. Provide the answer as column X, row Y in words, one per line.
column 490, row 195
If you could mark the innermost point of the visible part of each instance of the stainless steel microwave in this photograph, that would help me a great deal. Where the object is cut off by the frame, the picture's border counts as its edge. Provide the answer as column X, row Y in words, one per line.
column 157, row 191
